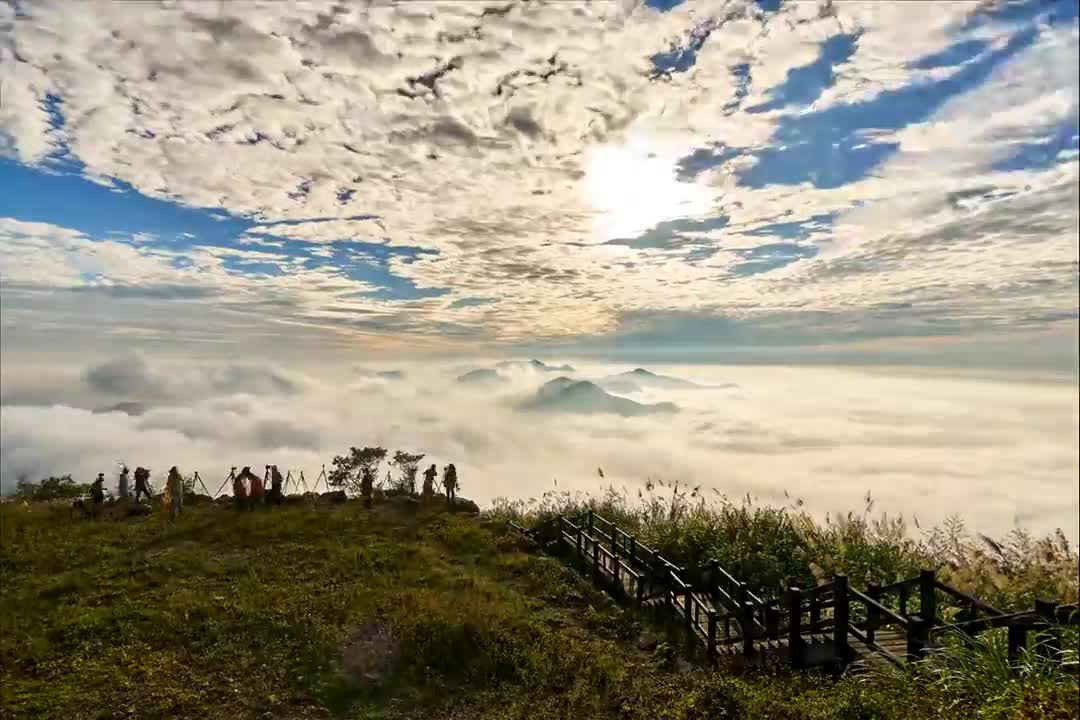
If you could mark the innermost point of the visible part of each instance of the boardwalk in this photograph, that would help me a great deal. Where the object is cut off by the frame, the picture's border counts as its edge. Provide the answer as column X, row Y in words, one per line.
column 831, row 625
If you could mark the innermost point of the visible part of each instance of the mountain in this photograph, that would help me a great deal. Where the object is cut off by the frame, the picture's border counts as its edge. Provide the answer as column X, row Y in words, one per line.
column 481, row 376
column 585, row 398
column 641, row 379
column 537, row 365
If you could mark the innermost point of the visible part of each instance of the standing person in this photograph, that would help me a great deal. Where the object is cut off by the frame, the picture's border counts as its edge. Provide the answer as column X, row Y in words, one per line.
column 429, row 481
column 142, row 484
column 123, row 489
column 97, row 490
column 450, row 482
column 176, row 493
column 239, row 490
column 275, row 485
column 366, row 483
column 256, row 489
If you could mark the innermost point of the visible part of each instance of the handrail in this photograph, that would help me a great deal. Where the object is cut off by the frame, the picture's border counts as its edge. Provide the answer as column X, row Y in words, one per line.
column 991, row 622
column 898, row 585
column 871, row 602
column 709, row 600
column 974, row 601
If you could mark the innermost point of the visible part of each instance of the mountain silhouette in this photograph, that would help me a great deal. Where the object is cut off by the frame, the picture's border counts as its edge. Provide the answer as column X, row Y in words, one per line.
column 585, row 398
column 641, row 379
column 481, row 376
column 537, row 365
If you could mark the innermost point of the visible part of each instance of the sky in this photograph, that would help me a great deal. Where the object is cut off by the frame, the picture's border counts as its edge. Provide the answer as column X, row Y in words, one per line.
column 303, row 187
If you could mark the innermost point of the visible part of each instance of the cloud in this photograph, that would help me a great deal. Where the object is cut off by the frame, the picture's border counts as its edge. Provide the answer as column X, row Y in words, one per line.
column 923, row 444
column 130, row 376
column 505, row 148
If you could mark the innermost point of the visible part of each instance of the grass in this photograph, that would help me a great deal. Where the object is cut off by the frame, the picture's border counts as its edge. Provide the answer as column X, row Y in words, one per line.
column 773, row 547
column 338, row 612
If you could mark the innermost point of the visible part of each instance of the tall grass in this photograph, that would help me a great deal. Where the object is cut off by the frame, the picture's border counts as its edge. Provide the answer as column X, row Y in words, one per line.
column 975, row 677
column 771, row 547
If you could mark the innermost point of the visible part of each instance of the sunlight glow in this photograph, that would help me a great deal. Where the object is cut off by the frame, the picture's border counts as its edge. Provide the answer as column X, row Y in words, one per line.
column 633, row 186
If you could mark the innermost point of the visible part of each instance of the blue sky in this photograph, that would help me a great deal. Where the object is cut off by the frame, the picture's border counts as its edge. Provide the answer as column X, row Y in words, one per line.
column 690, row 177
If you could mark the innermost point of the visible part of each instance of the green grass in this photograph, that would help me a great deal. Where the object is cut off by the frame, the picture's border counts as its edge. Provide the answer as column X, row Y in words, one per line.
column 340, row 612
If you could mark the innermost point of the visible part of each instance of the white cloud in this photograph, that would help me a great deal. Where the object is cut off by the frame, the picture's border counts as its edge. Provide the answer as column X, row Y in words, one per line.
column 468, row 132
column 996, row 450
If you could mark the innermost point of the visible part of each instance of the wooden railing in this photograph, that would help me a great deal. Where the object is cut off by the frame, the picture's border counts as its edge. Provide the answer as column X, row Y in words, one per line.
column 832, row 624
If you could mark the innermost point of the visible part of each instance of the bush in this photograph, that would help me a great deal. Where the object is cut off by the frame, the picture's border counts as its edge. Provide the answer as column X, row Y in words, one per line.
column 52, row 488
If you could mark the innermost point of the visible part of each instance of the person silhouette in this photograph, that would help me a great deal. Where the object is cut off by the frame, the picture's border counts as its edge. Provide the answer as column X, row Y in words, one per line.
column 122, row 483
column 176, row 493
column 450, row 483
column 429, row 481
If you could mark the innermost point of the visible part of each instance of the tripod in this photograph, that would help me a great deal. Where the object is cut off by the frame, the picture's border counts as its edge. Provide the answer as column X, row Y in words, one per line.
column 322, row 477
column 296, row 481
column 232, row 476
column 205, row 490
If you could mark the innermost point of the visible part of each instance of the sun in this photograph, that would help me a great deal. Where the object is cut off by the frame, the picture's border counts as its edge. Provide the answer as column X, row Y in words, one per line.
column 633, row 186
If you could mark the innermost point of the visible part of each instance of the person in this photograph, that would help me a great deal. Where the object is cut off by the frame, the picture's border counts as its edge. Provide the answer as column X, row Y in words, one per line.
column 255, row 486
column 366, row 486
column 450, row 482
column 176, row 493
column 142, row 484
column 97, row 490
column 275, row 485
column 122, row 488
column 429, row 481
column 239, row 490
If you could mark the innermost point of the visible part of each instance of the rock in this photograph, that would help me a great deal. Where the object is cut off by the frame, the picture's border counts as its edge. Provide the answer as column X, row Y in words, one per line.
column 464, row 505
column 647, row 642
column 334, row 496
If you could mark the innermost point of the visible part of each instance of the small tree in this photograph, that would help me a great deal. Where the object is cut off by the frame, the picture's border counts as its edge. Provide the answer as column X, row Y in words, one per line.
column 356, row 472
column 407, row 464
column 51, row 488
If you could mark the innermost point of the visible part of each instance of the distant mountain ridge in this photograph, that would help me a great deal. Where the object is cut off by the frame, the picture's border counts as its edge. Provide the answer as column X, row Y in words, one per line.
column 481, row 376
column 582, row 397
column 642, row 379
column 534, row 364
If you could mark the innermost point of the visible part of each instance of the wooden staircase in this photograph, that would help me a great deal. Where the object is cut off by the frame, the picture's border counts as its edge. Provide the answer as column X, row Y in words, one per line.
column 831, row 625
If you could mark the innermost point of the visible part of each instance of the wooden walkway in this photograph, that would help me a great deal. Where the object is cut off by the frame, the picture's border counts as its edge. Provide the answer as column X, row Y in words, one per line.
column 831, row 625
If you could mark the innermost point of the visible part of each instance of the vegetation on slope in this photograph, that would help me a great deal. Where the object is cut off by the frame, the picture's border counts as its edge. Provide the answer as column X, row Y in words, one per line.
column 303, row 612
column 773, row 547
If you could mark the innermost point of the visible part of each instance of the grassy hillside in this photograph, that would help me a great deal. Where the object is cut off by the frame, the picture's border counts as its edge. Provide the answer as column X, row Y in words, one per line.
column 340, row 612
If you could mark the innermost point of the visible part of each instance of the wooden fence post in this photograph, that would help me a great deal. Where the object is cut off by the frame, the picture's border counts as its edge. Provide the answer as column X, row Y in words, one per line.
column 927, row 599
column 688, row 611
column 772, row 622
column 1047, row 641
column 904, row 592
column 1017, row 639
column 595, row 561
column 873, row 615
column 668, row 589
column 795, row 642
column 746, row 620
column 918, row 637
column 840, row 619
column 710, row 647
column 615, row 562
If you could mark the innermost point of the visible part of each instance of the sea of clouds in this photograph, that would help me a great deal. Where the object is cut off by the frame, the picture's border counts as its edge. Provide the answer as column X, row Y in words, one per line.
column 999, row 451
